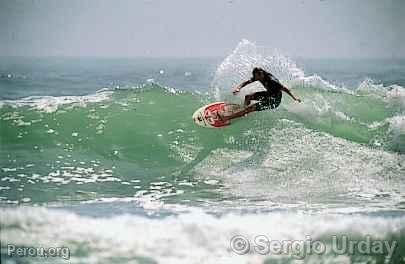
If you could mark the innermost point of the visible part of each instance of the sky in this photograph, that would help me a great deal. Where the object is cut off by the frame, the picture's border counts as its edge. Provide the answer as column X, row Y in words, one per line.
column 199, row 28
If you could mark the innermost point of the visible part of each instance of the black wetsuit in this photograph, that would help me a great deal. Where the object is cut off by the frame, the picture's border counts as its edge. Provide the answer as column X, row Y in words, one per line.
column 271, row 98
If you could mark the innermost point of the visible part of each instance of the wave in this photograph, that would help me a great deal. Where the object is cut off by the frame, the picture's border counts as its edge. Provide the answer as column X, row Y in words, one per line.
column 143, row 140
column 198, row 237
column 321, row 109
column 330, row 105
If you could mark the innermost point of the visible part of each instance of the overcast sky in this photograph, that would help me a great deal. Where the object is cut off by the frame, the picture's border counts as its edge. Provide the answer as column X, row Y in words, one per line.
column 193, row 28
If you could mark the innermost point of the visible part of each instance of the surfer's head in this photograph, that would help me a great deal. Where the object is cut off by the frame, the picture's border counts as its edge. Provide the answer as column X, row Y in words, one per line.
column 258, row 73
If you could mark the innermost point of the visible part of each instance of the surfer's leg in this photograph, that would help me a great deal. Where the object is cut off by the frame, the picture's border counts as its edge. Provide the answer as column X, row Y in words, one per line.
column 248, row 98
column 255, row 96
column 245, row 111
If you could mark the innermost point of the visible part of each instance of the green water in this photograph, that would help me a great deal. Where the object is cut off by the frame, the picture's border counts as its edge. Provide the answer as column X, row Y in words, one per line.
column 126, row 143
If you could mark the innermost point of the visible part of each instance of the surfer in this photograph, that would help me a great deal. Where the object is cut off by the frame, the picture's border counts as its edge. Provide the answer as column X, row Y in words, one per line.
column 269, row 99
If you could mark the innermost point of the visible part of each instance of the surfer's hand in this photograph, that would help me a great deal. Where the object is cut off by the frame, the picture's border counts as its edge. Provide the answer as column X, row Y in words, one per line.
column 298, row 100
column 237, row 89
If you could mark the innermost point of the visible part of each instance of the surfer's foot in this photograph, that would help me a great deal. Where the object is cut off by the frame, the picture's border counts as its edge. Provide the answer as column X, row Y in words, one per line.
column 222, row 118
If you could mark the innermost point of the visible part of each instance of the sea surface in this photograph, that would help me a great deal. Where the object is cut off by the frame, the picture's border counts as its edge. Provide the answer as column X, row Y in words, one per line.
column 100, row 156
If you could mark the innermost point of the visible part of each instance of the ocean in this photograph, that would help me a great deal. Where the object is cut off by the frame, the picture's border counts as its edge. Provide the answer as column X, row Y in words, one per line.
column 100, row 161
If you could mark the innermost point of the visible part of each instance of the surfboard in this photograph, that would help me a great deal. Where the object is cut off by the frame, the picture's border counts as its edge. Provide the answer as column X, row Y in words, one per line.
column 207, row 116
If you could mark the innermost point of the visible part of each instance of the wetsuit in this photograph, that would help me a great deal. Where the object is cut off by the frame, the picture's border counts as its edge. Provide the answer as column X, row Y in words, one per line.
column 271, row 98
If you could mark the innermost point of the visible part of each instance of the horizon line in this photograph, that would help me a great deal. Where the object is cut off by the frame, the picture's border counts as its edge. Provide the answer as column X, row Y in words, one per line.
column 184, row 57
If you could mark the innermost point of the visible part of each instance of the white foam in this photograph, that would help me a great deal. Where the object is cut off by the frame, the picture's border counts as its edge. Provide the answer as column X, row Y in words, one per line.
column 247, row 55
column 298, row 165
column 397, row 123
column 393, row 94
column 319, row 83
column 396, row 94
column 194, row 237
column 239, row 64
column 50, row 104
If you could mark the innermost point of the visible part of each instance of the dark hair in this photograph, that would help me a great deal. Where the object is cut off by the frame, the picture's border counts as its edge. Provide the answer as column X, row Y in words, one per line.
column 257, row 70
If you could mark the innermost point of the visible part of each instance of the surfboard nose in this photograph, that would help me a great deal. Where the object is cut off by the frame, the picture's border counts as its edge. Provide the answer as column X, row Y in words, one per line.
column 197, row 119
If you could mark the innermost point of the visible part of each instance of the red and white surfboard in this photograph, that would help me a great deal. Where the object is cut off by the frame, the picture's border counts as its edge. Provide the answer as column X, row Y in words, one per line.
column 207, row 116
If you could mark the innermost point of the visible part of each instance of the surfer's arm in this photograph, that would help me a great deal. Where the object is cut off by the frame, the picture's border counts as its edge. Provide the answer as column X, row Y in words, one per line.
column 241, row 85
column 286, row 90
